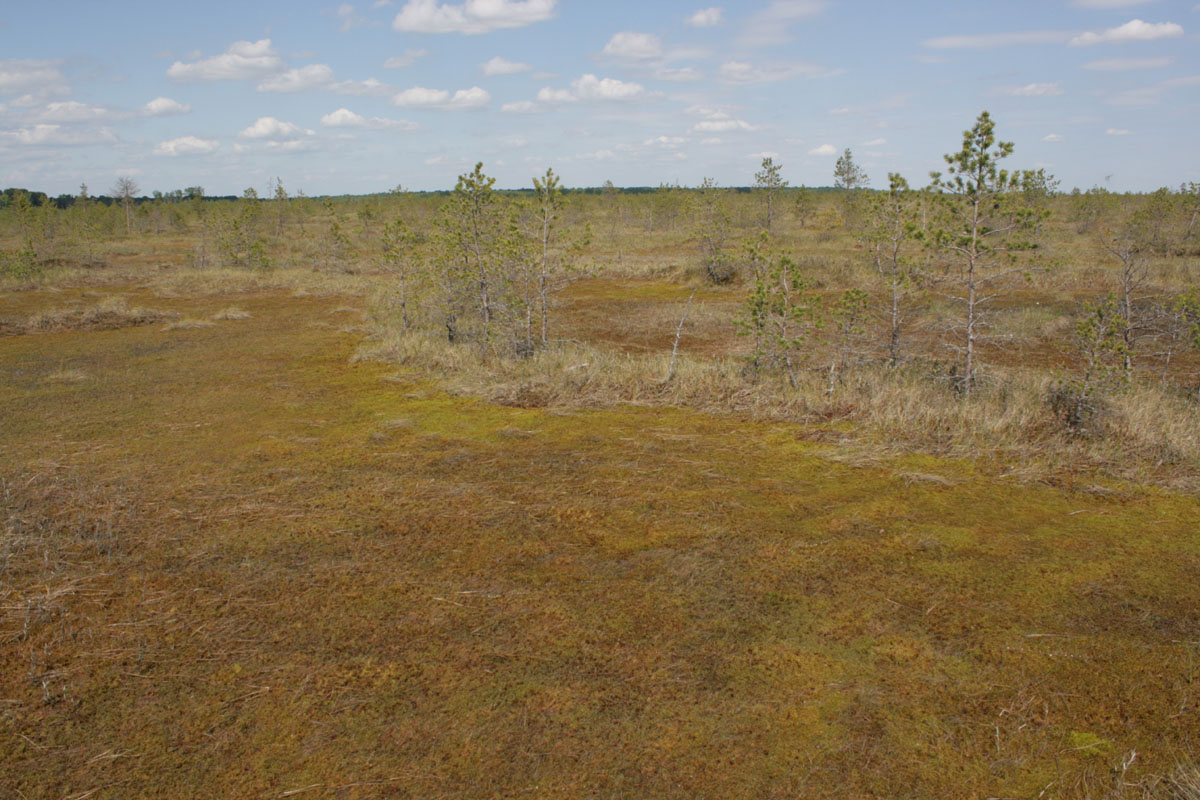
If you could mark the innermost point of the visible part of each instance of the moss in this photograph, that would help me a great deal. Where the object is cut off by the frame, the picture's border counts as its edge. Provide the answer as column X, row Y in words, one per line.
column 228, row 580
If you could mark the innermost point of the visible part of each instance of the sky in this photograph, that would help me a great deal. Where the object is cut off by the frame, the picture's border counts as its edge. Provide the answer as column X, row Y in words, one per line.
column 361, row 97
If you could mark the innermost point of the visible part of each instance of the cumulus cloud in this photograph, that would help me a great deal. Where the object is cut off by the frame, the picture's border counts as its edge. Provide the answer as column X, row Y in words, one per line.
column 706, row 18
column 441, row 99
column 405, row 59
column 1118, row 132
column 319, row 77
column 548, row 95
column 1035, row 90
column 983, row 41
column 370, row 87
column 771, row 25
column 634, row 47
column 271, row 128
column 589, row 87
column 345, row 118
column 1052, row 137
column 823, row 150
column 1133, row 31
column 241, row 61
column 164, row 107
column 303, row 79
column 19, row 76
column 472, row 16
column 1126, row 64
column 875, row 143
column 502, row 66
column 186, row 145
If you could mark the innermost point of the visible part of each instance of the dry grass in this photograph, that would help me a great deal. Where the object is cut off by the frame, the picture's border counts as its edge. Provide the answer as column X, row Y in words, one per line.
column 189, row 324
column 1147, row 435
column 108, row 314
column 232, row 312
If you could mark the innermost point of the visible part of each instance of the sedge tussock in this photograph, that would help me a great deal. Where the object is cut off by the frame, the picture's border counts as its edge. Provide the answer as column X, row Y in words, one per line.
column 189, row 324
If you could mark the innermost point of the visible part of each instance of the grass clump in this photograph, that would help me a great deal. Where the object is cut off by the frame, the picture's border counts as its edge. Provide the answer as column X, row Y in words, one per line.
column 109, row 313
column 189, row 324
column 232, row 312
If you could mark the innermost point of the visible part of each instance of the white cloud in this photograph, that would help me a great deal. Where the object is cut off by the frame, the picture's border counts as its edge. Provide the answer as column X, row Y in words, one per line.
column 72, row 111
column 1125, row 64
column 186, row 145
column 678, row 74
column 597, row 155
column 18, row 76
column 303, row 79
column 635, row 47
column 1107, row 3
column 705, row 18
column 823, row 150
column 348, row 18
column 1118, row 132
column 722, row 126
column 875, row 143
column 521, row 107
column 762, row 155
column 1035, row 90
column 345, row 118
column 770, row 26
column 502, row 66
column 981, row 41
column 405, row 59
column 744, row 72
column 271, row 128
column 548, row 95
column 441, row 99
column 319, row 77
column 1052, row 137
column 1133, row 31
column 472, row 16
column 46, row 134
column 666, row 142
column 292, row 145
column 1145, row 96
column 589, row 87
column 369, row 87
column 164, row 107
column 241, row 61
column 708, row 112
column 470, row 98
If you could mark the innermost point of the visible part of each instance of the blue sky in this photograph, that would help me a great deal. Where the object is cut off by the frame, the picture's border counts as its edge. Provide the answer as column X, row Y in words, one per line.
column 359, row 97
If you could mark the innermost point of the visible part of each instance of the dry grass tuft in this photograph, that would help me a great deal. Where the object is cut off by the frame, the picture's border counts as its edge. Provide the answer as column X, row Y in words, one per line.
column 109, row 313
column 233, row 312
column 68, row 376
column 189, row 324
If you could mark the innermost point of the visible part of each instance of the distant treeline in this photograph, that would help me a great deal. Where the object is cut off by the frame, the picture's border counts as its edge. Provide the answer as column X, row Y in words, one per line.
column 62, row 201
